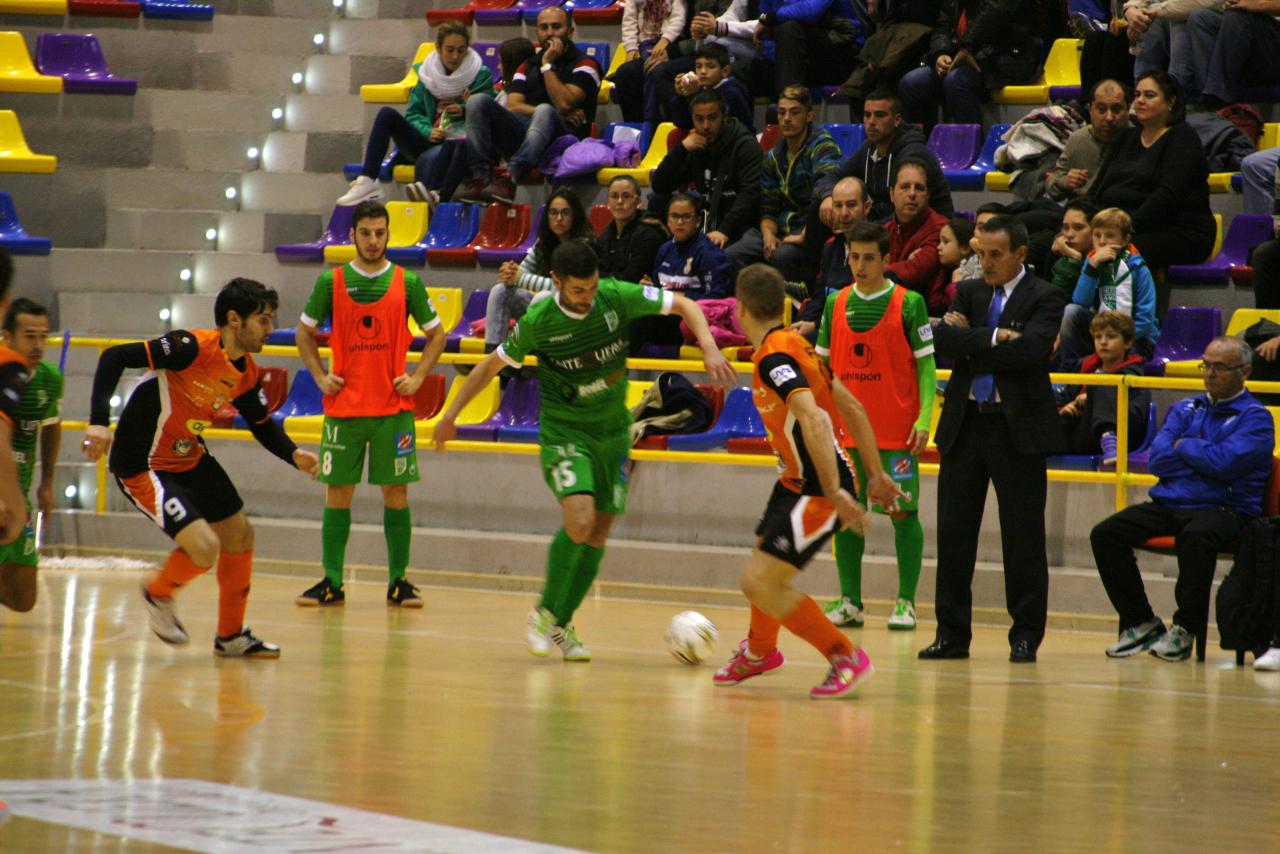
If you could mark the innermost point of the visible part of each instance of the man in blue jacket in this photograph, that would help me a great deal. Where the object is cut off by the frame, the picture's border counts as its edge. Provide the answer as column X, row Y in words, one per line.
column 811, row 42
column 1212, row 457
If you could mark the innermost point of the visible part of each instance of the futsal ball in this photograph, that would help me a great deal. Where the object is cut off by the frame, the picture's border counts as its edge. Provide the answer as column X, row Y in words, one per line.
column 691, row 637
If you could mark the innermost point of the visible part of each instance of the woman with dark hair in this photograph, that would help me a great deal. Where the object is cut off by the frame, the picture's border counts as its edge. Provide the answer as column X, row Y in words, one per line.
column 1156, row 172
column 563, row 219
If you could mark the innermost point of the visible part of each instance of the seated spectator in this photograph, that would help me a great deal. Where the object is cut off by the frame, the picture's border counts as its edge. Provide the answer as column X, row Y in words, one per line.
column 977, row 46
column 1114, row 277
column 628, row 244
column 650, row 29
column 690, row 265
column 888, row 140
column 714, row 22
column 810, row 42
column 802, row 158
column 512, row 53
column 435, row 115
column 914, row 229
column 957, row 262
column 550, row 95
column 1224, row 44
column 1212, row 457
column 722, row 160
column 1260, row 172
column 1088, row 412
column 711, row 70
column 849, row 206
column 1158, row 36
column 1077, row 166
column 562, row 220
column 1073, row 242
column 1157, row 173
column 1106, row 53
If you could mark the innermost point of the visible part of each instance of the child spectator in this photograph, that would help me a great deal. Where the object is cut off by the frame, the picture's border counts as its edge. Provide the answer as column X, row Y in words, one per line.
column 511, row 55
column 954, row 253
column 1073, row 242
column 711, row 70
column 1089, row 412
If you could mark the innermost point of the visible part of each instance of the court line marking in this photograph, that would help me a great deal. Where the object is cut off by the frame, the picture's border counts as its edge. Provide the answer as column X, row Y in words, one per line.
column 95, row 709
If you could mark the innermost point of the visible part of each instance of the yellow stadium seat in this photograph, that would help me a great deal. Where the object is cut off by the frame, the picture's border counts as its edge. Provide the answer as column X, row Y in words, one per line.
column 402, row 174
column 1061, row 68
column 1182, row 368
column 635, row 392
column 304, row 425
column 615, row 62
column 33, row 7
column 652, row 157
column 1243, row 318
column 15, row 156
column 1275, row 417
column 448, row 305
column 481, row 408
column 998, row 182
column 471, row 346
column 17, row 74
column 1217, row 240
column 393, row 93
column 1270, row 136
column 1220, row 182
column 408, row 223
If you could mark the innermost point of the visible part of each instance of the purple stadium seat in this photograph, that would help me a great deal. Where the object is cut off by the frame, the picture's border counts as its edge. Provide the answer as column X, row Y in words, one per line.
column 489, row 56
column 524, row 425
column 1186, row 331
column 1245, row 232
column 849, row 137
column 453, row 225
column 473, row 311
column 496, row 257
column 496, row 13
column 956, row 146
column 287, row 336
column 177, row 10
column 78, row 60
column 529, row 9
column 974, row 177
column 13, row 237
column 521, row 403
column 336, row 233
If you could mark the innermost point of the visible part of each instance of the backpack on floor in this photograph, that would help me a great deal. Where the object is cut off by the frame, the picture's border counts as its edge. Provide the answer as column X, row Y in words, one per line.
column 1246, row 603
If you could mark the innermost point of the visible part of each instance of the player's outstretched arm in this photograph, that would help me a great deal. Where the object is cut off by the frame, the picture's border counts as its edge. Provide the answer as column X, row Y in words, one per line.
column 717, row 366
column 819, row 439
column 480, row 376
column 880, row 487
column 408, row 384
column 309, row 352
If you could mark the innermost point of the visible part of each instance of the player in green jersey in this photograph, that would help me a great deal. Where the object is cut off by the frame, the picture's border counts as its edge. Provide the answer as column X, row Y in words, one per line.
column 25, row 330
column 580, row 334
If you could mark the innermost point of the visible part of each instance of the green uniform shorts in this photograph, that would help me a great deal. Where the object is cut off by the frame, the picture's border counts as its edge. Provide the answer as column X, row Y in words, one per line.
column 392, row 443
column 576, row 462
column 902, row 468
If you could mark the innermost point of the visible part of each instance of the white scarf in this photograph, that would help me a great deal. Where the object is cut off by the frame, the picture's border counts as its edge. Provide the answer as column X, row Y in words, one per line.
column 442, row 84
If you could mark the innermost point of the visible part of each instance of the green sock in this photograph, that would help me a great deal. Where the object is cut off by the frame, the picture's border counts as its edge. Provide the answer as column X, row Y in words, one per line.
column 849, row 548
column 908, row 540
column 397, row 527
column 335, row 528
column 562, row 558
column 584, row 575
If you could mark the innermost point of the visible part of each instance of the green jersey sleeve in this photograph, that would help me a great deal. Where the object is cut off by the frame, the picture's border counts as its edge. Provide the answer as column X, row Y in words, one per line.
column 823, row 347
column 641, row 300
column 520, row 343
column 52, row 411
column 915, row 319
column 420, row 306
column 320, row 303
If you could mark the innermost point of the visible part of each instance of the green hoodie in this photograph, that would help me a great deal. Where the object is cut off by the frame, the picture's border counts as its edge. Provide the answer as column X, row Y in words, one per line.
column 421, row 112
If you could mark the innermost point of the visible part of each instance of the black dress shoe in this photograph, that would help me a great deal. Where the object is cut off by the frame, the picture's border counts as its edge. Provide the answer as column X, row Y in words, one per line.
column 1022, row 652
column 944, row 649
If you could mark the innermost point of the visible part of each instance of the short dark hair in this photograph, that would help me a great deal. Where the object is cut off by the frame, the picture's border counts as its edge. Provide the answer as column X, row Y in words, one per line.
column 512, row 53
column 1121, row 324
column 895, row 103
column 1172, row 91
column 244, row 297
column 869, row 232
column 630, row 179
column 574, row 259
column 991, row 207
column 915, row 162
column 22, row 305
column 962, row 228
column 688, row 198
column 1107, row 82
column 369, row 209
column 713, row 51
column 1010, row 226
column 709, row 96
column 6, row 272
column 799, row 94
column 1086, row 207
column 761, row 291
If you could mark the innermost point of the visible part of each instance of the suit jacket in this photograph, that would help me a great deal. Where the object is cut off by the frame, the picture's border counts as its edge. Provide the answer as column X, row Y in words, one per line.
column 1020, row 367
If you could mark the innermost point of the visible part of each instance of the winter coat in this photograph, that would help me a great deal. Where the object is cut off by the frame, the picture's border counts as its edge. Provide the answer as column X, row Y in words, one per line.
column 788, row 185
column 726, row 174
column 909, row 141
column 696, row 268
column 1124, row 285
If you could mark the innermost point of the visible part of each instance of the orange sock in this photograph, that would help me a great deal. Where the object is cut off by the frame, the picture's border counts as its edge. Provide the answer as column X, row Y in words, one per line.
column 234, row 571
column 809, row 623
column 177, row 571
column 763, row 637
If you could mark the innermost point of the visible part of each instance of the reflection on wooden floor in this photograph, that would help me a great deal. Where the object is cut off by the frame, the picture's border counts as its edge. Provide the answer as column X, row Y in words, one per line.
column 442, row 716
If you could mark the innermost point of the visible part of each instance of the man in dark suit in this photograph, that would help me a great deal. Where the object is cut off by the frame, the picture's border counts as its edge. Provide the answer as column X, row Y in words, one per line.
column 998, row 423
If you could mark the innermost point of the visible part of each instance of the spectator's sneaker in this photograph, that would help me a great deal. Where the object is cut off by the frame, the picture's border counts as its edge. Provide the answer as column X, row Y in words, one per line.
column 164, row 620
column 362, row 189
column 323, row 593
column 1108, row 442
column 538, row 635
column 1175, row 645
column 501, row 189
column 566, row 637
column 1080, row 25
column 742, row 666
column 847, row 671
column 471, row 192
column 1269, row 660
column 1137, row 639
column 846, row 613
column 903, row 618
column 416, row 191
column 244, row 645
column 404, row 595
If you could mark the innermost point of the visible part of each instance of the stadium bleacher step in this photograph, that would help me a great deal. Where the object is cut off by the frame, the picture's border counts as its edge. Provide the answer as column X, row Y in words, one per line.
column 193, row 110
column 219, row 150
column 167, row 188
column 108, row 313
column 119, row 270
column 290, row 192
column 238, row 71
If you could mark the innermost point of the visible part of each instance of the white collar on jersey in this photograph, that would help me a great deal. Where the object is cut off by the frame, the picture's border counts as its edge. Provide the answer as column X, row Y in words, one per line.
column 370, row 276
column 572, row 314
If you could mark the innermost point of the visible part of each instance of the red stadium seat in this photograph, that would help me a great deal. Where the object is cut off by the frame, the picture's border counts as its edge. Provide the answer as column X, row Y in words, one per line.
column 502, row 227
column 275, row 385
column 430, row 397
column 599, row 217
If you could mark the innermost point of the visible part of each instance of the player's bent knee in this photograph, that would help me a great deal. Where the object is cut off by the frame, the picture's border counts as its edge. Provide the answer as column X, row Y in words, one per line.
column 579, row 528
column 202, row 546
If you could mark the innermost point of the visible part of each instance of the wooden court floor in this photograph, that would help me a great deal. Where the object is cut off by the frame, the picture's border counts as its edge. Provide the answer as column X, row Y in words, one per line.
column 441, row 716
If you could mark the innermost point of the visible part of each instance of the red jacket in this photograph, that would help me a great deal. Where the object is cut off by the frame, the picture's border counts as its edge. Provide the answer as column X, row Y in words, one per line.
column 918, row 272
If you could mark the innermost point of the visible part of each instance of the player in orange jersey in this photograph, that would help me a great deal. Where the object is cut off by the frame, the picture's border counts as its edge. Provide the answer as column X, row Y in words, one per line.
column 162, row 466
column 804, row 413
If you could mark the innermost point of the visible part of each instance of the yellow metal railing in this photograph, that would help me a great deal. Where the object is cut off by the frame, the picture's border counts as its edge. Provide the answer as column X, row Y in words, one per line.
column 1122, row 478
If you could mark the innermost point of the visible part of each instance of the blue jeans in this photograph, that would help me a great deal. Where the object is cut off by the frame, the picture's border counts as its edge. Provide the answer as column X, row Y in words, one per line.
column 442, row 167
column 962, row 92
column 634, row 91
column 390, row 125
column 1259, row 173
column 493, row 131
column 1166, row 46
column 1224, row 44
column 505, row 302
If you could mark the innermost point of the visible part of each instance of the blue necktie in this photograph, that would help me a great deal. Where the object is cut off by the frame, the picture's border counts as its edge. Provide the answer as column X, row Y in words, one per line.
column 984, row 385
